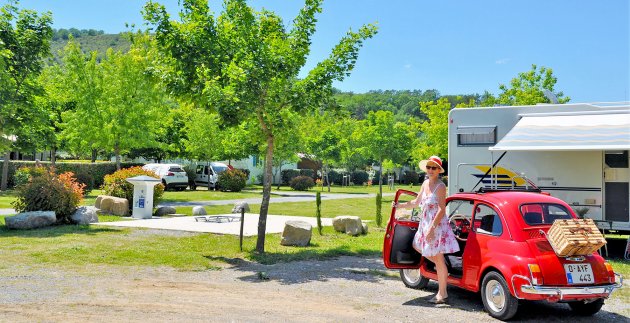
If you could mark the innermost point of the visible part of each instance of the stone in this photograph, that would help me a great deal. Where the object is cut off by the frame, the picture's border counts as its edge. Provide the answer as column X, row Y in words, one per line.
column 120, row 207
column 349, row 224
column 365, row 227
column 84, row 215
column 238, row 206
column 199, row 210
column 99, row 199
column 296, row 233
column 165, row 210
column 31, row 220
column 114, row 205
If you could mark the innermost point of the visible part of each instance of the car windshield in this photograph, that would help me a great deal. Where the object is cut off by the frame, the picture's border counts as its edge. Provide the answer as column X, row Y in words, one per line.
column 543, row 213
column 175, row 169
column 219, row 169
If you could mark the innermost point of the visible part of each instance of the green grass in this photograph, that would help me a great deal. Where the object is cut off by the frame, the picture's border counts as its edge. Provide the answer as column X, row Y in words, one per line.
column 6, row 198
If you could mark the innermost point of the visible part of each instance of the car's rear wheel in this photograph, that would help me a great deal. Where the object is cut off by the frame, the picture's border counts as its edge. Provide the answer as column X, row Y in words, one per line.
column 413, row 279
column 587, row 309
column 496, row 297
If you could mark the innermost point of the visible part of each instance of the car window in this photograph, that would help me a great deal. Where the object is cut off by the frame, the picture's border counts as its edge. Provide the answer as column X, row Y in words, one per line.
column 175, row 169
column 487, row 221
column 543, row 213
column 219, row 169
column 460, row 207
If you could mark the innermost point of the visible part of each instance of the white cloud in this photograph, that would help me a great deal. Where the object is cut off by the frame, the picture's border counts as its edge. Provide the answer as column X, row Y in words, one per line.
column 502, row 61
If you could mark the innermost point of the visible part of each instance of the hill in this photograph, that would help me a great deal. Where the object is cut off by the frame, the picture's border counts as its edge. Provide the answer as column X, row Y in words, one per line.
column 90, row 40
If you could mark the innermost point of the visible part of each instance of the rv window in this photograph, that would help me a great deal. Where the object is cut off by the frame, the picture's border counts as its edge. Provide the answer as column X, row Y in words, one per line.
column 617, row 159
column 477, row 136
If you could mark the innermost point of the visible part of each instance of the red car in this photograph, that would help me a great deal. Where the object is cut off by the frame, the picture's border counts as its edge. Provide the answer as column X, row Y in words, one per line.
column 504, row 253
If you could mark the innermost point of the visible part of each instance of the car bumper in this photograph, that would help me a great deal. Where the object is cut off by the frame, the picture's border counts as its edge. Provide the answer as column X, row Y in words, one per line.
column 566, row 293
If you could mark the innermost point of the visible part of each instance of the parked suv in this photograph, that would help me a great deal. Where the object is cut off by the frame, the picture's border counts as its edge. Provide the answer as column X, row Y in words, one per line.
column 173, row 176
column 504, row 254
column 208, row 175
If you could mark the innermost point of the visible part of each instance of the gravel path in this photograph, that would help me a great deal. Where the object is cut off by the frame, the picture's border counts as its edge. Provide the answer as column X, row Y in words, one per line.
column 347, row 289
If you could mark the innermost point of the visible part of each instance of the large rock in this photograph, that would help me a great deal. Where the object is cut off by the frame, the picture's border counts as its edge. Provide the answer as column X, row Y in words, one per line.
column 84, row 215
column 199, row 210
column 296, row 233
column 351, row 225
column 114, row 205
column 31, row 220
column 99, row 199
column 165, row 210
column 238, row 206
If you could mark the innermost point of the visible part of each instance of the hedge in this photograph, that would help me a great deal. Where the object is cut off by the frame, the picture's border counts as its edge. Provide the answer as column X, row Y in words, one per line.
column 90, row 174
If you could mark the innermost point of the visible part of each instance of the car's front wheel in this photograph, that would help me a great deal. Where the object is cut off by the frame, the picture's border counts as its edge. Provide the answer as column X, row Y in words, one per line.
column 412, row 278
column 496, row 297
column 587, row 309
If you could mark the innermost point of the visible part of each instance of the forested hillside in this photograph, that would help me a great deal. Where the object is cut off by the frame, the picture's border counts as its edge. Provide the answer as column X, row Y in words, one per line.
column 89, row 39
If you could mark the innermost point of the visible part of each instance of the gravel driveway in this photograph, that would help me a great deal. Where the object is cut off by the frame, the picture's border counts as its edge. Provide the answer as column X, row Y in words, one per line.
column 347, row 289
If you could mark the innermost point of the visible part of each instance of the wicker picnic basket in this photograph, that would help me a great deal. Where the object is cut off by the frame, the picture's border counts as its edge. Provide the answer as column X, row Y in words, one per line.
column 575, row 237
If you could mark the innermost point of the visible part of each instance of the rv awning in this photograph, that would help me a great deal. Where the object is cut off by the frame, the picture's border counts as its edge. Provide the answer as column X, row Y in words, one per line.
column 569, row 132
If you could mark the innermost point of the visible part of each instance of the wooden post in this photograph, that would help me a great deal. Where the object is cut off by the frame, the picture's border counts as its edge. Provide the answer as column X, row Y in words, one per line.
column 242, row 223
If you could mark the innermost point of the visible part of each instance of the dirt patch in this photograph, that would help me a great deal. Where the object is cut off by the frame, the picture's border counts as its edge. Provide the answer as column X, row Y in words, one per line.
column 348, row 289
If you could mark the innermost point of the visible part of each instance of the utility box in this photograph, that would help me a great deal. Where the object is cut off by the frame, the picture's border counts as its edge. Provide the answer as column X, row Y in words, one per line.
column 143, row 187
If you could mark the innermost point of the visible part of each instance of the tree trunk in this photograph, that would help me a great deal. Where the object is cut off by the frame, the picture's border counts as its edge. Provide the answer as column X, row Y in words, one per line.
column 53, row 156
column 117, row 152
column 279, row 169
column 264, row 206
column 94, row 153
column 5, row 171
column 327, row 177
column 380, row 178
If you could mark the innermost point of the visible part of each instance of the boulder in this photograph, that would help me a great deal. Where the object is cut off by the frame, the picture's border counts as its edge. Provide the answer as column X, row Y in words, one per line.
column 114, row 205
column 99, row 199
column 31, row 220
column 351, row 225
column 199, row 210
column 165, row 210
column 365, row 227
column 296, row 233
column 238, row 206
column 84, row 215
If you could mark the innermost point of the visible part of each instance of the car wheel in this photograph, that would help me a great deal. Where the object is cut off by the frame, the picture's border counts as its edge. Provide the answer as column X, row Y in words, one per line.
column 165, row 186
column 412, row 278
column 586, row 309
column 496, row 297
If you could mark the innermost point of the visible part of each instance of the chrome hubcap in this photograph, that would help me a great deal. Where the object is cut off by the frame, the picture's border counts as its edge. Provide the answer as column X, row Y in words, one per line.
column 412, row 275
column 495, row 295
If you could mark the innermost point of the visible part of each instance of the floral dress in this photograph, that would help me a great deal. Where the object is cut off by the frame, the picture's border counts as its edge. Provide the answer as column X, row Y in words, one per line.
column 443, row 238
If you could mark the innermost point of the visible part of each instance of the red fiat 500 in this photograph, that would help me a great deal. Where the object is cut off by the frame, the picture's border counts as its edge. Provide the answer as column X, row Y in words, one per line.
column 504, row 253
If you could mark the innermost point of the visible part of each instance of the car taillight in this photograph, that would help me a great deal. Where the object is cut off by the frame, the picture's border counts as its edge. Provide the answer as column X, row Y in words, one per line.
column 536, row 274
column 170, row 174
column 611, row 272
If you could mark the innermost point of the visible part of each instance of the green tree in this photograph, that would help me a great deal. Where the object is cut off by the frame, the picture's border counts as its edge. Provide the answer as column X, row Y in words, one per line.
column 321, row 139
column 24, row 41
column 244, row 65
column 529, row 88
column 382, row 138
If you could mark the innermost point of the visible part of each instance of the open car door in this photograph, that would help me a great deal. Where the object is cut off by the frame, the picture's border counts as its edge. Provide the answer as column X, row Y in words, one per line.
column 401, row 228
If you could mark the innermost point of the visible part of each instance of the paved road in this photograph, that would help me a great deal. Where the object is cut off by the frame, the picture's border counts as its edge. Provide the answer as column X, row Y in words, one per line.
column 283, row 197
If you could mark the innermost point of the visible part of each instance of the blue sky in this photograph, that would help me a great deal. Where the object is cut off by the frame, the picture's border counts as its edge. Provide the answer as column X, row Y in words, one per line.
column 456, row 47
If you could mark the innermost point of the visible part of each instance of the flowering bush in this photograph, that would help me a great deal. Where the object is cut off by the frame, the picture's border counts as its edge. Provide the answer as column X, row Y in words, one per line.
column 25, row 173
column 116, row 184
column 46, row 191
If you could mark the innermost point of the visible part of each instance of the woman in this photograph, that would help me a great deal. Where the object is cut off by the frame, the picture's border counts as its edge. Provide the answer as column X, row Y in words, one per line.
column 434, row 237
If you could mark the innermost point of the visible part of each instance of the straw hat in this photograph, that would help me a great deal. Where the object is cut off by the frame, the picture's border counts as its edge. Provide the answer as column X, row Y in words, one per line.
column 433, row 159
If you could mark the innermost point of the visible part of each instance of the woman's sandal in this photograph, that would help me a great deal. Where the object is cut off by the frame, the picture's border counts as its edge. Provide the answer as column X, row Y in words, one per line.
column 436, row 301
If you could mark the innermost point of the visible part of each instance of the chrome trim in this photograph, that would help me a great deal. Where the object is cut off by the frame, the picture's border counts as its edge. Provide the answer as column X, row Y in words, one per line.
column 578, row 290
column 514, row 287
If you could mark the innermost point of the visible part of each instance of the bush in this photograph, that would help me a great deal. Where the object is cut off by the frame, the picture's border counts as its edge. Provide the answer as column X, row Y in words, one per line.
column 116, row 184
column 233, row 180
column 90, row 174
column 411, row 177
column 25, row 173
column 307, row 172
column 46, row 191
column 244, row 170
column 334, row 177
column 359, row 177
column 302, row 183
column 289, row 174
column 191, row 173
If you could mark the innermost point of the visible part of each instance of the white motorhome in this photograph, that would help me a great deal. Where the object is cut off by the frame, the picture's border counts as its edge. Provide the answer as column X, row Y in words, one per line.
column 576, row 152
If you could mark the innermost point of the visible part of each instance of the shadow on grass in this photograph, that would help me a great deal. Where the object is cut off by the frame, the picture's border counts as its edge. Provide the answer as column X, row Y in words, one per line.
column 55, row 230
